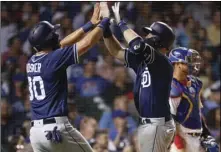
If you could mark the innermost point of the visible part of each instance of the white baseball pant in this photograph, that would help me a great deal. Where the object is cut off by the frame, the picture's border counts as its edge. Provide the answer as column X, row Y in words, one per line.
column 192, row 143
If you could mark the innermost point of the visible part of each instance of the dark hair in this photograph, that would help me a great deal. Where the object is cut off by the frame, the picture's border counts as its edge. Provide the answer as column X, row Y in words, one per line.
column 101, row 131
column 12, row 39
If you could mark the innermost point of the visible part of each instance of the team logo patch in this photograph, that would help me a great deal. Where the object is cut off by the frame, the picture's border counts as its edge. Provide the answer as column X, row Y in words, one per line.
column 192, row 91
column 136, row 47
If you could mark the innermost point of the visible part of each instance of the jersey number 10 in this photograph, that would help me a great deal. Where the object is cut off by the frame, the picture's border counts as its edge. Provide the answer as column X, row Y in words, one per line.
column 33, row 88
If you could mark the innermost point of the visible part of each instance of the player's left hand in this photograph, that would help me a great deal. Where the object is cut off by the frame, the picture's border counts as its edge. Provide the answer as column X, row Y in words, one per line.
column 105, row 12
column 95, row 19
column 209, row 144
column 116, row 10
column 54, row 136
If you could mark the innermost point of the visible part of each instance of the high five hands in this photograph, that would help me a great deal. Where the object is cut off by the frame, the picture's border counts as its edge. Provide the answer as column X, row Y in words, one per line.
column 105, row 12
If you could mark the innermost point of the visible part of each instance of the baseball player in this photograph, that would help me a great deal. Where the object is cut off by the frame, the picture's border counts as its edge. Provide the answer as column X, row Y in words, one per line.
column 186, row 105
column 146, row 56
column 46, row 73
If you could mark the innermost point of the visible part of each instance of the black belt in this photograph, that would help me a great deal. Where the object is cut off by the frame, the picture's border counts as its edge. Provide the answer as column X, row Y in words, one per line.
column 194, row 134
column 46, row 121
column 144, row 121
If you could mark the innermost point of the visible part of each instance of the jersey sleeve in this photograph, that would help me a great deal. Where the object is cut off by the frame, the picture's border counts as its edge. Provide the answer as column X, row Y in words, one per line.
column 64, row 57
column 132, row 60
column 174, row 103
column 175, row 97
column 138, row 46
column 176, row 90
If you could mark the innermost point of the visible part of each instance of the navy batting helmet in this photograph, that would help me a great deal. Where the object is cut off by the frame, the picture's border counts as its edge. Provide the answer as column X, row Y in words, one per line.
column 163, row 31
column 43, row 36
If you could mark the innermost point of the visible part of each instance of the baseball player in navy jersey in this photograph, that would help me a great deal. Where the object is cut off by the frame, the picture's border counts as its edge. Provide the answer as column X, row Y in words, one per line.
column 146, row 56
column 46, row 73
column 185, row 102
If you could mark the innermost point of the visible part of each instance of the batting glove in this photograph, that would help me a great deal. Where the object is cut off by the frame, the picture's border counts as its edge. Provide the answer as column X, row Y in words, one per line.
column 116, row 10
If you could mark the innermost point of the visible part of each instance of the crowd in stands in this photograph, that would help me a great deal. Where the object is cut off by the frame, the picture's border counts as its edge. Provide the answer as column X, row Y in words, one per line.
column 100, row 88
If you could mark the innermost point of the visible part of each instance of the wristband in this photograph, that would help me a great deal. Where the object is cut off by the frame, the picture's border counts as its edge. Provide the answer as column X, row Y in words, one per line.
column 123, row 26
column 88, row 26
column 107, row 32
column 104, row 23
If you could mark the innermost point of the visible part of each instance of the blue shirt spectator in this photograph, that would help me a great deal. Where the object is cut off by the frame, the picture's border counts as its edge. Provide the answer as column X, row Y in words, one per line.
column 107, row 121
column 121, row 132
column 90, row 85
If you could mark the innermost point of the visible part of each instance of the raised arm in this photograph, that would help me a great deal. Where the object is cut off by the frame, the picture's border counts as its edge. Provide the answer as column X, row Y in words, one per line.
column 110, row 41
column 128, row 33
column 78, row 34
column 92, row 38
column 114, row 47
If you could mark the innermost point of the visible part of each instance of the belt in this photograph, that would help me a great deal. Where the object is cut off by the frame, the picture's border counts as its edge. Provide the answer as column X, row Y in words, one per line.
column 46, row 121
column 194, row 134
column 144, row 121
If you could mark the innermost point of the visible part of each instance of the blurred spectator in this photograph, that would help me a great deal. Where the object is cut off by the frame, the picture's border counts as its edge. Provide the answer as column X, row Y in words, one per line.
column 143, row 11
column 213, row 29
column 23, row 143
column 213, row 122
column 90, row 84
column 106, row 68
column 190, row 30
column 80, row 18
column 134, row 142
column 74, row 72
column 74, row 116
column 106, row 121
column 182, row 39
column 30, row 22
column 21, row 109
column 120, row 135
column 88, row 128
column 14, row 54
column 8, row 28
column 200, row 11
column 121, row 85
column 8, row 127
column 102, row 142
column 175, row 14
column 213, row 98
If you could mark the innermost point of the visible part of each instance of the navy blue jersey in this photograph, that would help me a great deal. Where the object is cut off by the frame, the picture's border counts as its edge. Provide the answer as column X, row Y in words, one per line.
column 154, row 75
column 47, row 80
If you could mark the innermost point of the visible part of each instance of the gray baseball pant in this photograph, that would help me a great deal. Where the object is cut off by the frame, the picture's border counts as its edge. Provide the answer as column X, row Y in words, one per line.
column 72, row 140
column 156, row 136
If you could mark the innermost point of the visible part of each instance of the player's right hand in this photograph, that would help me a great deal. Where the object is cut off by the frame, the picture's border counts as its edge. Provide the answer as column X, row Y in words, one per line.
column 105, row 12
column 116, row 10
column 95, row 19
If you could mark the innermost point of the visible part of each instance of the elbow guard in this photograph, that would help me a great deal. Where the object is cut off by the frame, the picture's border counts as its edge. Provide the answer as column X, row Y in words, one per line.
column 137, row 45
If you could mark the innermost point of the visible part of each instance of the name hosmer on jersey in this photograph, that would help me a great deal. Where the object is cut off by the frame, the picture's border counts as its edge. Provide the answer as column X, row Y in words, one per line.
column 35, row 67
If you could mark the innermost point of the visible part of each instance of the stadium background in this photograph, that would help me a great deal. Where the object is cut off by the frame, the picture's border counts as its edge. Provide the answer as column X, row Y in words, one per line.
column 100, row 88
